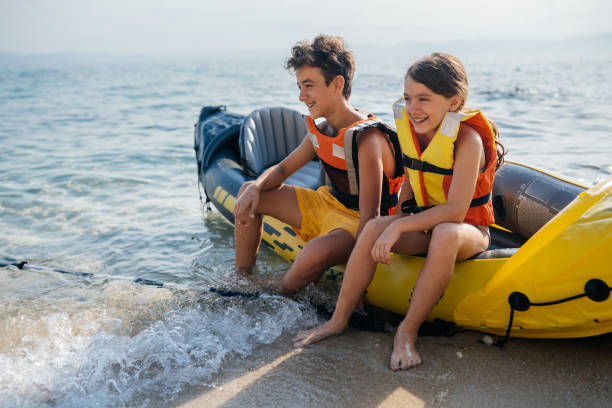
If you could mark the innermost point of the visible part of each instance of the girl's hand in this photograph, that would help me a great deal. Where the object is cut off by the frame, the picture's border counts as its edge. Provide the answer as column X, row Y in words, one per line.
column 246, row 204
column 381, row 251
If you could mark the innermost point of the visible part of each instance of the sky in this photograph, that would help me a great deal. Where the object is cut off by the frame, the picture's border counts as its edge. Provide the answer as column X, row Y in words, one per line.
column 192, row 26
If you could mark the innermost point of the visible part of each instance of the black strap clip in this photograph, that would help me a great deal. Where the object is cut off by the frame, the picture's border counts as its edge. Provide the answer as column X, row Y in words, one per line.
column 595, row 289
column 413, row 164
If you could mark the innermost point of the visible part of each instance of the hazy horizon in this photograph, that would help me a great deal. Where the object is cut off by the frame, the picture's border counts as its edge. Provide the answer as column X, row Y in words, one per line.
column 192, row 26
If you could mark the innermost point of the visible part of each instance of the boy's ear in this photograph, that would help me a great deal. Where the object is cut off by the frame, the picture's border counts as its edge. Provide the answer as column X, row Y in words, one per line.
column 338, row 83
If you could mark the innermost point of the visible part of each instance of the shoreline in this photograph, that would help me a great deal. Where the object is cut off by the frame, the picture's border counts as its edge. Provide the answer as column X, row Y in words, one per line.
column 352, row 369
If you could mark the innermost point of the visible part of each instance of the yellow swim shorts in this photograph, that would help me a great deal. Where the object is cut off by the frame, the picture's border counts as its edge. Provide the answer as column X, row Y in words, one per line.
column 323, row 213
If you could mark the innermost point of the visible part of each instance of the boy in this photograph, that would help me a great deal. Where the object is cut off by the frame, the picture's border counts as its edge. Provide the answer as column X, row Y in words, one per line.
column 361, row 156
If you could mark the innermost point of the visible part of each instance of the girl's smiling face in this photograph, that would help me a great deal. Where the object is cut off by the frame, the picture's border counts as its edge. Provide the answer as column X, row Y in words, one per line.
column 425, row 108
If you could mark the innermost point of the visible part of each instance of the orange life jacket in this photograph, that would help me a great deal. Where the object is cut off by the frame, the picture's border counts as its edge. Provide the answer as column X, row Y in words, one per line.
column 339, row 156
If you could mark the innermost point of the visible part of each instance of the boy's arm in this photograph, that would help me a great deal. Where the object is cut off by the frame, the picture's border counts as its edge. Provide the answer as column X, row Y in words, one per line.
column 277, row 174
column 406, row 193
column 371, row 145
column 247, row 201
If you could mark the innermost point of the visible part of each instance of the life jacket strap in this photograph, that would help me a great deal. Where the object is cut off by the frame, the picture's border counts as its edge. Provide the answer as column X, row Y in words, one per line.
column 482, row 200
column 352, row 200
column 411, row 207
column 416, row 164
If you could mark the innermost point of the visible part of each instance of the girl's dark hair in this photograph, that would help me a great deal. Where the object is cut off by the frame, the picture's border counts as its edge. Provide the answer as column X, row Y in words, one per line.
column 445, row 75
column 327, row 53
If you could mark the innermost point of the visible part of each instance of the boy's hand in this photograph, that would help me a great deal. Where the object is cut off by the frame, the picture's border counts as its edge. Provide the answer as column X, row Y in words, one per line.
column 246, row 204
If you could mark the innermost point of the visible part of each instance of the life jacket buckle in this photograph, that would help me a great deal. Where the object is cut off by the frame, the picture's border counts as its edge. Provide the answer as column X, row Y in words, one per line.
column 413, row 164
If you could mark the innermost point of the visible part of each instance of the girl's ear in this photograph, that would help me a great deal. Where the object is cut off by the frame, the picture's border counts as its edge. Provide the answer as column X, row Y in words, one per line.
column 455, row 103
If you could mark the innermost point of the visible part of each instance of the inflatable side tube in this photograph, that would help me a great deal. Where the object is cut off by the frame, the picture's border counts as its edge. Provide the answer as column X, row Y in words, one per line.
column 504, row 239
column 222, row 181
column 524, row 199
column 552, row 271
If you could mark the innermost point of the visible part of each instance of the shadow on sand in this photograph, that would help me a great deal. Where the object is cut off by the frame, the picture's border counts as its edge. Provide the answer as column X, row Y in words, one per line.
column 352, row 370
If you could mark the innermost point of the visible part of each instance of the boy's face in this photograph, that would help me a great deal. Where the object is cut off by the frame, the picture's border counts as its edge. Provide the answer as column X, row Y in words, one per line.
column 318, row 97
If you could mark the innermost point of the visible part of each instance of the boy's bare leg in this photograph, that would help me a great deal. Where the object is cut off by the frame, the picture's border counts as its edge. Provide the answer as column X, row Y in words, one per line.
column 318, row 255
column 281, row 204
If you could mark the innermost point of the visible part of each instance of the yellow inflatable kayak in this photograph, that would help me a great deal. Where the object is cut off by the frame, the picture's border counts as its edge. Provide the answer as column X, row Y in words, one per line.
column 547, row 273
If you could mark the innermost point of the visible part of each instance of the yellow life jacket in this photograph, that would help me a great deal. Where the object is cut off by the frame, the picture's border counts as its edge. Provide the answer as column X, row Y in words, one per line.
column 430, row 171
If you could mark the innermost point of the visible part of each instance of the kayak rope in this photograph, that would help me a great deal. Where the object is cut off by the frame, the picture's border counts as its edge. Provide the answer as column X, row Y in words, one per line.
column 595, row 289
column 24, row 265
column 363, row 322
column 205, row 206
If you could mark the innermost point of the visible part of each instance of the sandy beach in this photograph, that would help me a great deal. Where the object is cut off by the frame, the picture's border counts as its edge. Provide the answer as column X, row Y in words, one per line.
column 351, row 370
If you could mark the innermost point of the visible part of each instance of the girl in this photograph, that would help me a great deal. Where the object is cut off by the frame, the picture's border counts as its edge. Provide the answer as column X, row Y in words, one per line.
column 450, row 159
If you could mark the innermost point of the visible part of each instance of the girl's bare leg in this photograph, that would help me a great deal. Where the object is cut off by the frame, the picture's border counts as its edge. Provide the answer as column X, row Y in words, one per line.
column 449, row 242
column 358, row 275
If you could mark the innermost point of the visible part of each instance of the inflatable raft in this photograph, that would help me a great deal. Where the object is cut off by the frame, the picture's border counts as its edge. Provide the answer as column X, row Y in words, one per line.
column 546, row 274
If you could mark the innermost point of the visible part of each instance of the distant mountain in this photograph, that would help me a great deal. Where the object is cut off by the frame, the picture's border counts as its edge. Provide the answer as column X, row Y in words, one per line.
column 599, row 43
column 412, row 49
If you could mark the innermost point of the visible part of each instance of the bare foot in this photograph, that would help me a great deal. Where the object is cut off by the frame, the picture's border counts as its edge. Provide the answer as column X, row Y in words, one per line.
column 261, row 283
column 404, row 353
column 243, row 270
column 307, row 337
column 269, row 284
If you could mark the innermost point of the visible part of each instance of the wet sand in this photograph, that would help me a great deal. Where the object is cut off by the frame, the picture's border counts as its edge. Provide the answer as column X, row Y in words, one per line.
column 351, row 370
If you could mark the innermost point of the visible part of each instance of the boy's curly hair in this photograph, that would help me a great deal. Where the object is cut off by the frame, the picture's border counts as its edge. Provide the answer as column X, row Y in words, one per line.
column 327, row 53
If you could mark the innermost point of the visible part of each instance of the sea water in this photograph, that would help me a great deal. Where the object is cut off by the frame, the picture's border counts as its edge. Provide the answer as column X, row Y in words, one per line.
column 98, row 175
